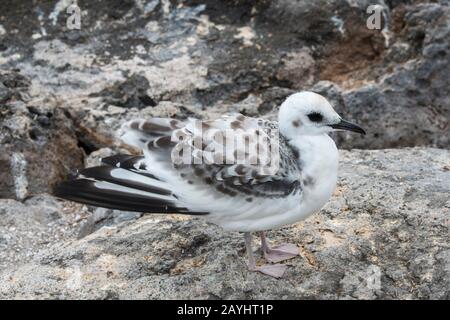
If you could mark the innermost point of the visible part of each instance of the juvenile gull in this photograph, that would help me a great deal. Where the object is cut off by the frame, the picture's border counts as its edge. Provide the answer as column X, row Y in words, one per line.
column 245, row 197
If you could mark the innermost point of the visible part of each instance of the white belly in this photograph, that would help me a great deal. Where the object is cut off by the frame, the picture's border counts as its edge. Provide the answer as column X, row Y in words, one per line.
column 319, row 158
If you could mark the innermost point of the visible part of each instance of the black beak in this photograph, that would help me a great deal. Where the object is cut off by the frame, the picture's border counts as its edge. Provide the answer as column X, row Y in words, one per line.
column 345, row 125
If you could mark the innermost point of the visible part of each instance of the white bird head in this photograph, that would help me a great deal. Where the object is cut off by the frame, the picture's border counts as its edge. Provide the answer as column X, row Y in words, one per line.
column 309, row 113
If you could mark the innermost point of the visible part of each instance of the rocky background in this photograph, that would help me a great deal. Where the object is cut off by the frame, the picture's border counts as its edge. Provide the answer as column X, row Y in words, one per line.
column 64, row 93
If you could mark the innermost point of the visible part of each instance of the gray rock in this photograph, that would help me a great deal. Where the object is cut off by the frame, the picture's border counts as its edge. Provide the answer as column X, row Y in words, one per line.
column 407, row 104
column 5, row 93
column 132, row 93
column 102, row 217
column 39, row 146
column 38, row 222
column 383, row 235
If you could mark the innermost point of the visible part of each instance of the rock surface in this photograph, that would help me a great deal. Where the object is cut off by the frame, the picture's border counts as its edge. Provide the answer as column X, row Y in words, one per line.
column 389, row 217
column 38, row 143
column 37, row 223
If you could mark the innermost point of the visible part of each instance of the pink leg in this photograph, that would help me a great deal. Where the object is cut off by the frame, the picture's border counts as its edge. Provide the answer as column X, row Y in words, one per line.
column 273, row 270
column 278, row 253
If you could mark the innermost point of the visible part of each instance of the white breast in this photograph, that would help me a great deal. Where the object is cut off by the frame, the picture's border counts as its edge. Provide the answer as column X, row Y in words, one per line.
column 320, row 164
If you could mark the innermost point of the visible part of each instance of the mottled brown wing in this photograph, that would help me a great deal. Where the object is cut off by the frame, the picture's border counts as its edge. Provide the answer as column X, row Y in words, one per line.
column 232, row 178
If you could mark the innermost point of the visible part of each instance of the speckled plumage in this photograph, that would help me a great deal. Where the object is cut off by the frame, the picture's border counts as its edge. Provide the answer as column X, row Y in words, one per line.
column 241, row 173
column 229, row 179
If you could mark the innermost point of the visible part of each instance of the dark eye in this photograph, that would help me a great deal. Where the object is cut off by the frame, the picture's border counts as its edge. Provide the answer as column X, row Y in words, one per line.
column 315, row 117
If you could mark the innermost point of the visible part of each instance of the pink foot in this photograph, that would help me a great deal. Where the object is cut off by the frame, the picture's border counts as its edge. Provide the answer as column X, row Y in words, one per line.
column 281, row 252
column 273, row 270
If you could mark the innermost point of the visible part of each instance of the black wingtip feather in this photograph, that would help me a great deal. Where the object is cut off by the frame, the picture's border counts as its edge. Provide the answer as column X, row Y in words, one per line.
column 85, row 191
column 128, row 162
column 120, row 158
column 103, row 173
